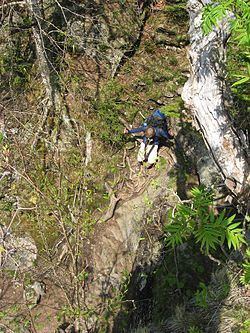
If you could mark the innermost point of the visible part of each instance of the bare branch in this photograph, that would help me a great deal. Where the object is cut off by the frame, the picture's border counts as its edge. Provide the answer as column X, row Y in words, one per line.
column 14, row 3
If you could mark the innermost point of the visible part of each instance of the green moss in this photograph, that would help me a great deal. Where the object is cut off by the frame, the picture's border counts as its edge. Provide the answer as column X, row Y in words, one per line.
column 150, row 47
column 177, row 11
column 172, row 61
column 174, row 109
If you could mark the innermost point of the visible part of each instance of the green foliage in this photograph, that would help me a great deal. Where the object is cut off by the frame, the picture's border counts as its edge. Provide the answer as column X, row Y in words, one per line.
column 239, row 25
column 76, row 312
column 245, row 277
column 178, row 11
column 212, row 14
column 16, row 62
column 108, row 109
column 201, row 295
column 196, row 218
column 194, row 329
column 246, row 326
column 161, row 164
column 172, row 110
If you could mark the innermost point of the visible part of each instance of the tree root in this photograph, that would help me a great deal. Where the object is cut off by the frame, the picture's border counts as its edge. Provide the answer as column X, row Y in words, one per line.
column 112, row 204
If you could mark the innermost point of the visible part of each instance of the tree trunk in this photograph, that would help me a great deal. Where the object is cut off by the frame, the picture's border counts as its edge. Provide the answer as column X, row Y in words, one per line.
column 52, row 102
column 36, row 13
column 205, row 93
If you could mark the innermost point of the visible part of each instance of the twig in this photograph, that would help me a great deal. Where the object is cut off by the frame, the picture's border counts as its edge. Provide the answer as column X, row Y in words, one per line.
column 8, row 329
column 214, row 259
column 177, row 271
column 142, row 115
column 14, row 3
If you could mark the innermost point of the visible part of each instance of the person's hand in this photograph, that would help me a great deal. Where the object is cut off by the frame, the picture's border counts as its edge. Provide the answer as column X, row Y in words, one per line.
column 125, row 131
column 171, row 133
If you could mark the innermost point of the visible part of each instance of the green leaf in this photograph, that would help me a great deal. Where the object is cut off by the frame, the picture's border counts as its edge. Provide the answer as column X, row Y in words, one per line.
column 233, row 226
column 221, row 218
column 209, row 236
column 230, row 219
column 245, row 79
column 234, row 235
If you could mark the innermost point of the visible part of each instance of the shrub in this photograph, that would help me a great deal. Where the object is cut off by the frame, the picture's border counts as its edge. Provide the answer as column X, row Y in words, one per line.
column 108, row 110
column 196, row 218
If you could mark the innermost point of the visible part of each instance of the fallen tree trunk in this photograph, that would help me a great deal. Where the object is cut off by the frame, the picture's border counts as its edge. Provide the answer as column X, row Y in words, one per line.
column 205, row 93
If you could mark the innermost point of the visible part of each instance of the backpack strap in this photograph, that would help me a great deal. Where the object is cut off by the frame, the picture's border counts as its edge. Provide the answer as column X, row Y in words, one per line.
column 146, row 155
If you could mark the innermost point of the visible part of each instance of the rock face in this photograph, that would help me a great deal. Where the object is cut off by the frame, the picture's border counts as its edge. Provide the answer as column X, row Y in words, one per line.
column 197, row 153
column 16, row 253
column 205, row 94
column 117, row 246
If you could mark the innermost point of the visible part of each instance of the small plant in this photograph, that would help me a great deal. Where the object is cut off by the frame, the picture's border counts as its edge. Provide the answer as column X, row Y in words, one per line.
column 173, row 110
column 161, row 164
column 178, row 11
column 108, row 109
column 147, row 201
column 245, row 277
column 201, row 296
column 194, row 329
column 239, row 25
column 173, row 61
column 246, row 326
column 196, row 218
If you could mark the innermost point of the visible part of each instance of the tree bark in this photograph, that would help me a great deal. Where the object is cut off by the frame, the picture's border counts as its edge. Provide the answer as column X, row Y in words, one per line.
column 36, row 13
column 205, row 93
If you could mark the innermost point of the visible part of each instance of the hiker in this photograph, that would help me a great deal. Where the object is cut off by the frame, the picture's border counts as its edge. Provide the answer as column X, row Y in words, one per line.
column 152, row 131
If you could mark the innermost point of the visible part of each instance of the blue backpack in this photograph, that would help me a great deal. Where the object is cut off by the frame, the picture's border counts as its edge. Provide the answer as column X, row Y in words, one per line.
column 157, row 119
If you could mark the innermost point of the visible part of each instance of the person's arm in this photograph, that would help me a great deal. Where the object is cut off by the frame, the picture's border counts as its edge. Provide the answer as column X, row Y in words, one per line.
column 164, row 134
column 137, row 130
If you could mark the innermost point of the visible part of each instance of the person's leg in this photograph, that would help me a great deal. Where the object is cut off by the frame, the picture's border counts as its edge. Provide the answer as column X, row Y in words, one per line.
column 153, row 155
column 141, row 153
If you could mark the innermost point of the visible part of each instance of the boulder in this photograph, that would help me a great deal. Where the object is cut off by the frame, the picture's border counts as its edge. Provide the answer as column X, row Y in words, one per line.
column 16, row 253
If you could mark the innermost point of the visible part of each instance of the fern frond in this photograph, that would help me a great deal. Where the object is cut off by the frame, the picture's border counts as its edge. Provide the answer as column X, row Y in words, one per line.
column 209, row 236
column 197, row 218
column 234, row 234
column 212, row 14
column 245, row 277
column 176, row 233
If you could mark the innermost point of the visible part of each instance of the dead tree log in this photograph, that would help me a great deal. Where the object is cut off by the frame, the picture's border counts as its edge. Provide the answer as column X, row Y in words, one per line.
column 205, row 93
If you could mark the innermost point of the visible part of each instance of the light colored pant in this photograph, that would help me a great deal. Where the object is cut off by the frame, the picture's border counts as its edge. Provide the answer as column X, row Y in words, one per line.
column 152, row 157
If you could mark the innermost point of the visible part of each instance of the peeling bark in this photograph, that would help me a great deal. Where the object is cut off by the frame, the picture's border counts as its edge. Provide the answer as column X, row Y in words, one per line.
column 205, row 93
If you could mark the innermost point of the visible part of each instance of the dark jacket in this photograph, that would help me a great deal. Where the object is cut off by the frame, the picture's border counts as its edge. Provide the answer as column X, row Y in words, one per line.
column 159, row 133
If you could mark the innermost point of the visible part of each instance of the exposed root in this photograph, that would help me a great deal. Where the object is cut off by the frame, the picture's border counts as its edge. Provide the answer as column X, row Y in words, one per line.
column 112, row 204
column 131, row 171
column 123, row 164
